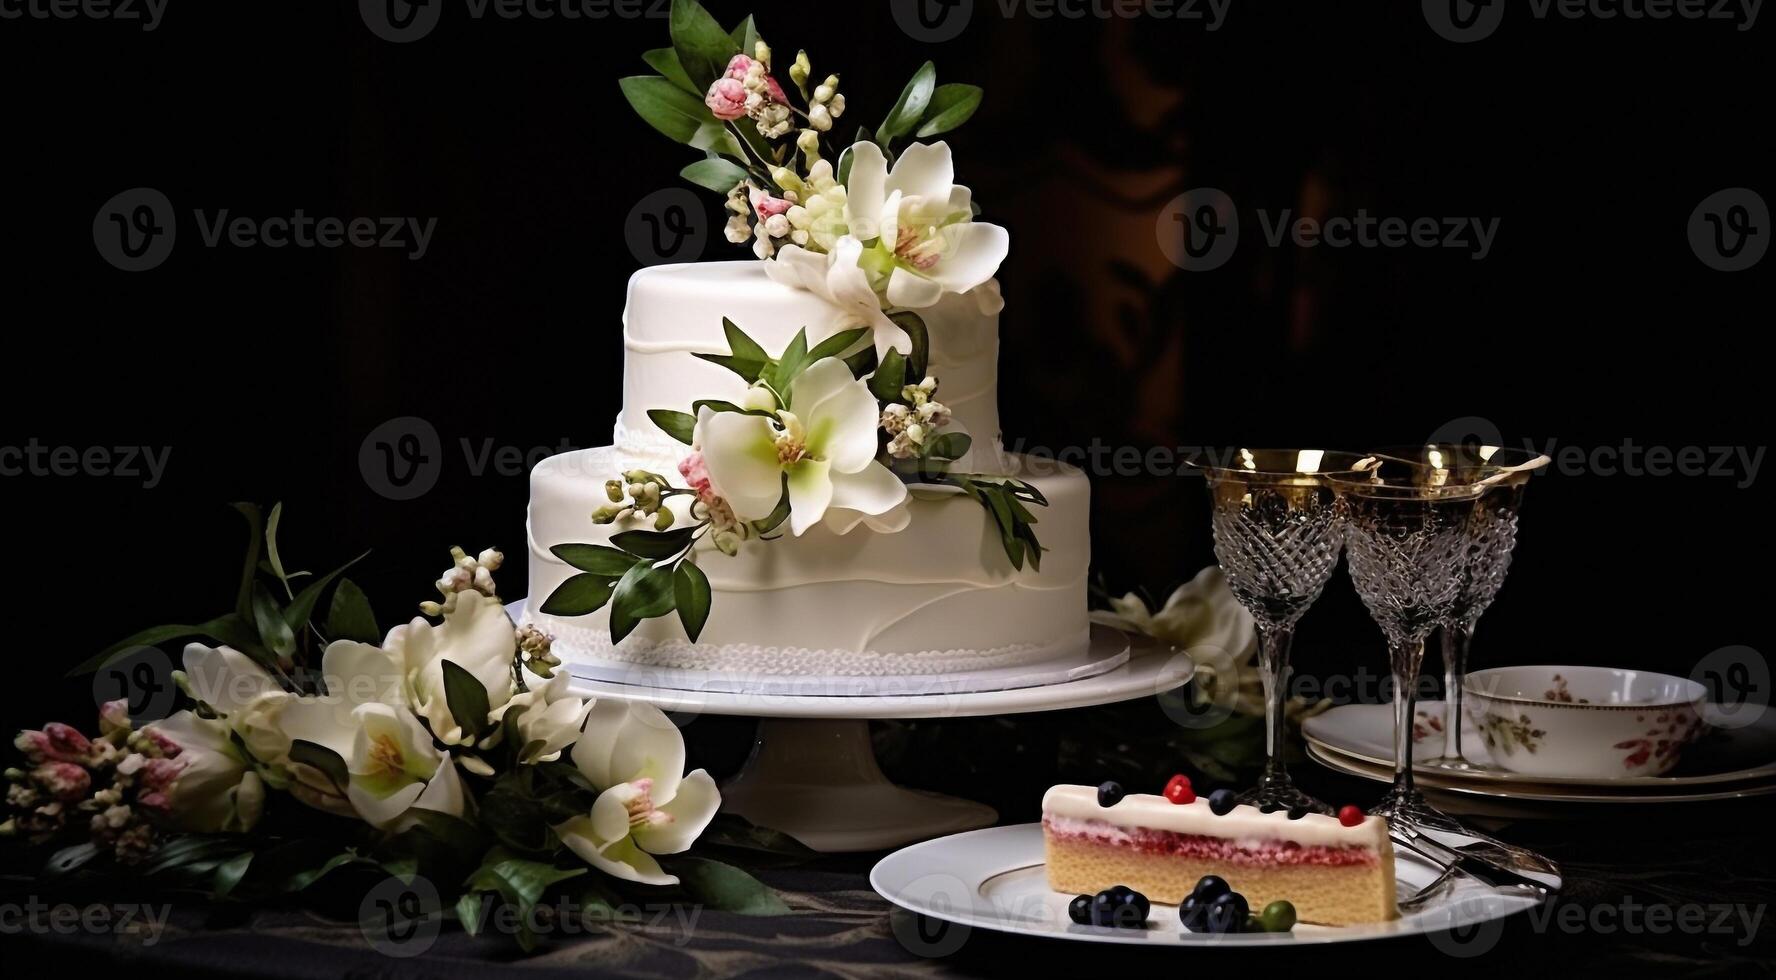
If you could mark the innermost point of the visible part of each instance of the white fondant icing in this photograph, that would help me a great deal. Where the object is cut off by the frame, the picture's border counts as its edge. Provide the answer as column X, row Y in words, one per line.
column 1243, row 822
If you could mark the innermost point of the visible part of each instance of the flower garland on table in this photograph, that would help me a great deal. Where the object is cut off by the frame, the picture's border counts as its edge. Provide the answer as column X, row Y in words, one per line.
column 449, row 749
column 832, row 433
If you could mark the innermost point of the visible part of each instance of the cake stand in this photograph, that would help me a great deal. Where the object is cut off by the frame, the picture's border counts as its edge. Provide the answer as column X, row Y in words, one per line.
column 813, row 773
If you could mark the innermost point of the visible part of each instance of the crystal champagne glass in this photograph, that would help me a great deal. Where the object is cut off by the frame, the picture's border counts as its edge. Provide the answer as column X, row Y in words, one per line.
column 1277, row 538
column 1489, row 557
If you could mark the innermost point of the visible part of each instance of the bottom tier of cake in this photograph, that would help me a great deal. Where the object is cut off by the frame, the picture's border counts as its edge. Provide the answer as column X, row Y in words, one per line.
column 937, row 597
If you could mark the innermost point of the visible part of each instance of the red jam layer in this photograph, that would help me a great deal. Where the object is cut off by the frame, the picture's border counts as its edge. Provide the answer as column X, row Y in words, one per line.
column 1251, row 852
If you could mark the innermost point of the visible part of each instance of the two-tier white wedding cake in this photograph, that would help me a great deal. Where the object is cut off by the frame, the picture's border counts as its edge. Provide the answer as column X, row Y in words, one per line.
column 807, row 476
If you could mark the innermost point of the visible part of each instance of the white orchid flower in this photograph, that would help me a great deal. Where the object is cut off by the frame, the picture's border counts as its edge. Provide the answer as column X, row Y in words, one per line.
column 823, row 441
column 839, row 278
column 245, row 694
column 547, row 719
column 216, row 788
column 634, row 756
column 476, row 635
column 918, row 224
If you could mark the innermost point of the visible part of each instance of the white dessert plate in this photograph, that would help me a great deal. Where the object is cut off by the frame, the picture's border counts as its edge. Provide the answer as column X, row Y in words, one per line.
column 995, row 879
column 1436, row 782
column 1365, row 733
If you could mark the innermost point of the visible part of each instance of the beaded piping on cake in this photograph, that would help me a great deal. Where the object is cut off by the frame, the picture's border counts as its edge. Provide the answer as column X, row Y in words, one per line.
column 573, row 642
column 651, row 442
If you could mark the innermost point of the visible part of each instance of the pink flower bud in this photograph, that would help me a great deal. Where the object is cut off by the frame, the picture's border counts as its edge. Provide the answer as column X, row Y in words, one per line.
column 56, row 742
column 768, row 206
column 726, row 98
column 159, row 775
column 114, row 716
column 738, row 66
column 694, row 470
column 65, row 781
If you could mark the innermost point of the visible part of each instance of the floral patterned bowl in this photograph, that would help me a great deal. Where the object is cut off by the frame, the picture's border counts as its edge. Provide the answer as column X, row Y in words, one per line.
column 1584, row 721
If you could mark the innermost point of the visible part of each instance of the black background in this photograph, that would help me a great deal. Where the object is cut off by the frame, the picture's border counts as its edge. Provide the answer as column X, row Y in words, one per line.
column 1590, row 324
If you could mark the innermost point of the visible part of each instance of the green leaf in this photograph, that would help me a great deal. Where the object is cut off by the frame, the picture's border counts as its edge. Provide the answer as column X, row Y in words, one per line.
column 595, row 558
column 746, row 36
column 837, row 344
column 654, row 544
column 778, row 514
column 349, row 616
column 328, row 762
column 950, row 445
column 229, row 629
column 70, row 858
column 243, row 599
column 910, row 107
column 745, row 357
column 644, row 592
column 862, row 362
column 919, row 359
column 717, row 405
column 691, row 595
column 666, row 107
column 230, row 873
column 732, row 831
column 715, row 174
column 951, row 106
column 580, row 594
column 678, row 425
column 521, row 882
column 297, row 613
column 726, row 888
column 468, row 912
column 665, row 61
column 890, row 376
column 791, row 364
column 703, row 47
column 273, row 631
column 467, row 698
column 271, row 544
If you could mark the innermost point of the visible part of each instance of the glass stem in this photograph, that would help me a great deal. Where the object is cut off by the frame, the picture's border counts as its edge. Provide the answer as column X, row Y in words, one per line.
column 1405, row 657
column 1273, row 670
column 1456, row 637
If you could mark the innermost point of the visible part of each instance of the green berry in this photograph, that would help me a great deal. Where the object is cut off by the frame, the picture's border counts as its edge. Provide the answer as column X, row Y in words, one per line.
column 1278, row 916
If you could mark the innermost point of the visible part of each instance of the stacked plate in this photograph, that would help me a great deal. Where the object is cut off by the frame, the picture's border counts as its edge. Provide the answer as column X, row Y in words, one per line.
column 1729, row 761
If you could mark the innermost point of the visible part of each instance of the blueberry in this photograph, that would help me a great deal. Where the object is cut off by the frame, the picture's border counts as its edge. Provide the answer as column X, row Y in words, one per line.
column 1297, row 812
column 1130, row 908
column 1221, row 801
column 1194, row 912
column 1227, row 914
column 1080, row 910
column 1103, row 909
column 1211, row 887
column 1269, row 807
column 1110, row 793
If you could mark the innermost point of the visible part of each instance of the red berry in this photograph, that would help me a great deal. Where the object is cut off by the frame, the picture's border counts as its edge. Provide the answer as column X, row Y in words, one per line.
column 1178, row 790
column 1350, row 815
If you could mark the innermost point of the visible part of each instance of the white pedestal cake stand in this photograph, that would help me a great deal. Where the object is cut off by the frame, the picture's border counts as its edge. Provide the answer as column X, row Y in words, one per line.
column 813, row 771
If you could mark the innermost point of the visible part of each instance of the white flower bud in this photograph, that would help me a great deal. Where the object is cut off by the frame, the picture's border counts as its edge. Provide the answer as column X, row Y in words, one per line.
column 837, row 105
column 820, row 118
column 777, row 225
column 758, row 398
column 822, row 93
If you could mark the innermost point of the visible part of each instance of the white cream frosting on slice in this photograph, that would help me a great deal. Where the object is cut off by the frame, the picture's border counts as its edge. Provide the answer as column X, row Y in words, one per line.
column 1243, row 822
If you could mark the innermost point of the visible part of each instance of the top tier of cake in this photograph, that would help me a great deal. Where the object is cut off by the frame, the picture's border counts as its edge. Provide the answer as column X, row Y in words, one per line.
column 674, row 311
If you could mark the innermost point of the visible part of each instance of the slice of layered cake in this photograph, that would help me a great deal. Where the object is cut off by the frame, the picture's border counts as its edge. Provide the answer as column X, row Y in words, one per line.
column 1336, row 871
